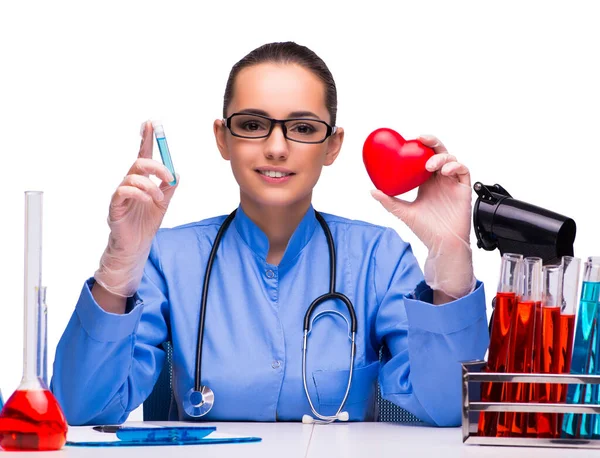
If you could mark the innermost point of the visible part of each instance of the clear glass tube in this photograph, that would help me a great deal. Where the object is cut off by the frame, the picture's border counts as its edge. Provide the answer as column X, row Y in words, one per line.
column 34, row 319
column 531, row 288
column 510, row 273
column 571, row 267
column 552, row 276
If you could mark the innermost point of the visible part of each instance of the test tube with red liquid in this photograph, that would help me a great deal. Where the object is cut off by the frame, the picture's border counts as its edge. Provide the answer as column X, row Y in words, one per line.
column 546, row 355
column 520, row 347
column 571, row 267
column 31, row 418
column 506, row 299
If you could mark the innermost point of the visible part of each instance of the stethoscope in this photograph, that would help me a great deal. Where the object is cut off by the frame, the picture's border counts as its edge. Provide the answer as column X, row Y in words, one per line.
column 200, row 399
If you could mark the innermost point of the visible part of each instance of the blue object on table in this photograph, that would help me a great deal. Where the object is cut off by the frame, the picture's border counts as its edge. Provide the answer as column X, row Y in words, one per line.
column 176, row 435
column 1, row 400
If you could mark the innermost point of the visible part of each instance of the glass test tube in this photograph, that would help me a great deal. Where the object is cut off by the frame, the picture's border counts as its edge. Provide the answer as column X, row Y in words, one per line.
column 584, row 349
column 521, row 341
column 163, row 148
column 594, row 420
column 506, row 299
column 546, row 359
column 571, row 267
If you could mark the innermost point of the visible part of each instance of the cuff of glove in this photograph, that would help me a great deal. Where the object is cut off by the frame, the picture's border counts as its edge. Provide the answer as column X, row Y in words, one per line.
column 104, row 326
column 446, row 318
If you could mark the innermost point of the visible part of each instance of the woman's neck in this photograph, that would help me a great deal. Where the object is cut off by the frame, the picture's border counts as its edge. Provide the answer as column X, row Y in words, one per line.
column 277, row 222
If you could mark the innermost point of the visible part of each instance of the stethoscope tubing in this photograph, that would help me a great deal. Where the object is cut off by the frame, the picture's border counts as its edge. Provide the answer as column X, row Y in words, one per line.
column 332, row 294
column 204, row 300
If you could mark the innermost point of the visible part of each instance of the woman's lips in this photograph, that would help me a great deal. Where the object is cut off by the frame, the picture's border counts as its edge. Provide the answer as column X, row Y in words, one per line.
column 278, row 180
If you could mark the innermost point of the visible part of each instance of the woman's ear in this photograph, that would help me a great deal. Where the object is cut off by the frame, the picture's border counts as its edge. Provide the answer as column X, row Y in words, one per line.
column 334, row 144
column 220, row 130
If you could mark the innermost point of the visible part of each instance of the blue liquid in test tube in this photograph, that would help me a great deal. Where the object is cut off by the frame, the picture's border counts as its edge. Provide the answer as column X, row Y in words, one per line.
column 163, row 147
column 583, row 361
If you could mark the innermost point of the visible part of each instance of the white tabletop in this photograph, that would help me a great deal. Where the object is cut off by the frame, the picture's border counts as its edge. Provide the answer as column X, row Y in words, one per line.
column 373, row 440
column 290, row 440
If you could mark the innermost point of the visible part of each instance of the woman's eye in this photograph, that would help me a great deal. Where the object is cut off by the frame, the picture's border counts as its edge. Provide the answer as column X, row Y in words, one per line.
column 304, row 129
column 251, row 126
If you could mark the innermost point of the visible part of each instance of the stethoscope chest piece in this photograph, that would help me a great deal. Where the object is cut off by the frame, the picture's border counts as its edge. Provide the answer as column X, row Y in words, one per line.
column 198, row 403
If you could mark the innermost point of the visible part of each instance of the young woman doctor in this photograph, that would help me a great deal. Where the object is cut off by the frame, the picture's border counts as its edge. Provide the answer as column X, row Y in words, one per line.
column 278, row 131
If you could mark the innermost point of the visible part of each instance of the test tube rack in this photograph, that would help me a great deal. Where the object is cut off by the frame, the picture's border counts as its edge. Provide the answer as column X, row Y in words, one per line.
column 472, row 377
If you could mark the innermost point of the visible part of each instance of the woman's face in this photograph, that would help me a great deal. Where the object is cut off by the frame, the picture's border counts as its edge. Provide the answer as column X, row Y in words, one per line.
column 278, row 91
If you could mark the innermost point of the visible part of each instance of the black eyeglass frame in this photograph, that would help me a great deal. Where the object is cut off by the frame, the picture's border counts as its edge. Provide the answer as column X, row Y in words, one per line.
column 330, row 129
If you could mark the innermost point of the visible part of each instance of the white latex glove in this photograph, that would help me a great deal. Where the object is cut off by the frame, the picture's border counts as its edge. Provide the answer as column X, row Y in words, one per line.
column 136, row 211
column 440, row 217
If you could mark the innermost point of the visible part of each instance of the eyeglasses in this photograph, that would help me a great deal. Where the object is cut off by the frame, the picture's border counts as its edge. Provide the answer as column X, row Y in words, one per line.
column 302, row 130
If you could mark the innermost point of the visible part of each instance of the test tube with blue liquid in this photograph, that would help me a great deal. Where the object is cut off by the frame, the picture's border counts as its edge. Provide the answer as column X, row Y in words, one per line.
column 584, row 352
column 595, row 389
column 163, row 147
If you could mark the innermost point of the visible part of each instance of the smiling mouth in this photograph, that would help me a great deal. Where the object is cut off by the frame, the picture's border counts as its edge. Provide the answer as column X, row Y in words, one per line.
column 273, row 174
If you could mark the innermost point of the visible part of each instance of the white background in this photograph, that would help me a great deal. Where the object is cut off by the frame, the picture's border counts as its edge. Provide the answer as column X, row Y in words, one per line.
column 511, row 88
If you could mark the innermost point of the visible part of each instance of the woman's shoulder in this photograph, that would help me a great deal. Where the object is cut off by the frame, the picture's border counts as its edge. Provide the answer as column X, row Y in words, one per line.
column 354, row 224
column 197, row 230
column 362, row 229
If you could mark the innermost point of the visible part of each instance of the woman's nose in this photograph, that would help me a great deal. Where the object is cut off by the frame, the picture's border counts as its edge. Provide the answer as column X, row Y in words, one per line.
column 276, row 146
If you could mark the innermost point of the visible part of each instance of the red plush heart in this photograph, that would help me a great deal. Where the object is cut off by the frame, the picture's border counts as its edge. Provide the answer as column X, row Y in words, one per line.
column 395, row 165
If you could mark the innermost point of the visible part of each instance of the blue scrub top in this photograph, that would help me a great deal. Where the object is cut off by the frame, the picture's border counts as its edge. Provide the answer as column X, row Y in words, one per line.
column 107, row 364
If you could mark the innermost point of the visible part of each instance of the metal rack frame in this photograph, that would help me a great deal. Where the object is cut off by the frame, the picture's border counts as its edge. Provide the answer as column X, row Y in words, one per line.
column 472, row 377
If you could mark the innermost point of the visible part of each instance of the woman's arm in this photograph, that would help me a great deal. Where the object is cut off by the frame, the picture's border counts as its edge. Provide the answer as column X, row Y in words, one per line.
column 423, row 344
column 106, row 364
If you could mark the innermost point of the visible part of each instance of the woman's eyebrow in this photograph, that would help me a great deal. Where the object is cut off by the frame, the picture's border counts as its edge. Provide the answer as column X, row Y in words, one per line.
column 302, row 114
column 293, row 114
column 255, row 111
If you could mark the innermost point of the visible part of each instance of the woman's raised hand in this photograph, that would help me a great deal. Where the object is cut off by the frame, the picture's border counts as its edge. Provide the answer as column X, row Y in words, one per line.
column 136, row 211
column 441, row 217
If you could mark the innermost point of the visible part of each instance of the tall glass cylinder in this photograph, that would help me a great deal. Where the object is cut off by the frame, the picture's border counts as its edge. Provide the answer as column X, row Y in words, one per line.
column 32, row 418
column 505, row 301
column 32, row 293
column 584, row 350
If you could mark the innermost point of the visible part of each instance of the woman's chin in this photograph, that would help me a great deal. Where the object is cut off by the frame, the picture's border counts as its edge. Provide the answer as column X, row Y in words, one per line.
column 280, row 198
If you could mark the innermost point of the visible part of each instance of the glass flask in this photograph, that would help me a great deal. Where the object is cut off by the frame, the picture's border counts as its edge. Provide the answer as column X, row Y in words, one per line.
column 32, row 418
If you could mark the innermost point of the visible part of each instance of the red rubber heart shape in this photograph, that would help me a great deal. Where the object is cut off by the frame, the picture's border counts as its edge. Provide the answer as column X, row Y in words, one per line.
column 395, row 165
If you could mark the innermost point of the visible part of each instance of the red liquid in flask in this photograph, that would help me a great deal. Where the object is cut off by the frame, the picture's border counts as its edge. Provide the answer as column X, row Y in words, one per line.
column 497, row 359
column 32, row 420
column 520, row 356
